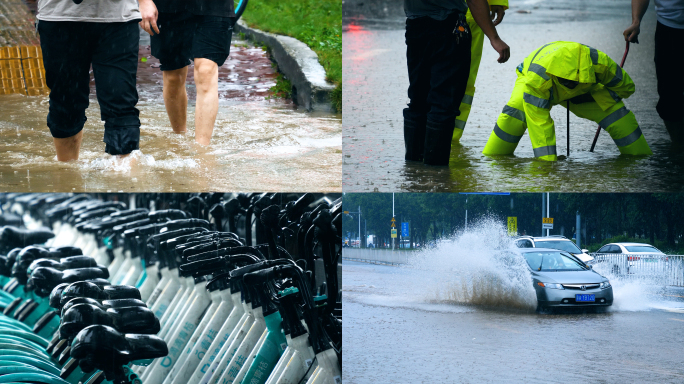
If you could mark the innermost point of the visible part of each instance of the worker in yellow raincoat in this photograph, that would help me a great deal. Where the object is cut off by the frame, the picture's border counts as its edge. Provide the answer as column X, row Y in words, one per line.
column 558, row 73
column 498, row 8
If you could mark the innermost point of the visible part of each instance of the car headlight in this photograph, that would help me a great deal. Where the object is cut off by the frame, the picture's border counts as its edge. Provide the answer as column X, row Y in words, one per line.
column 605, row 284
column 550, row 285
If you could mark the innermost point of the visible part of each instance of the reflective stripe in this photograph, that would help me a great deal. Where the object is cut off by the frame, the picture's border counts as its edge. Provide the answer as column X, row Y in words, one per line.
column 616, row 79
column 545, row 151
column 507, row 137
column 460, row 124
column 539, row 70
column 593, row 53
column 613, row 117
column 467, row 99
column 540, row 49
column 614, row 96
column 629, row 139
column 515, row 113
column 537, row 101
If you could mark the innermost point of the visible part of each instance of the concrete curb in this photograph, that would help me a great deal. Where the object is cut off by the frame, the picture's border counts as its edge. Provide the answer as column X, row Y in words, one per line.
column 299, row 64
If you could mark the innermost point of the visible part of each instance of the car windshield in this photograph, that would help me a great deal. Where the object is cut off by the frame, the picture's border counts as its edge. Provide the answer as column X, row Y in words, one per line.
column 567, row 246
column 642, row 248
column 552, row 261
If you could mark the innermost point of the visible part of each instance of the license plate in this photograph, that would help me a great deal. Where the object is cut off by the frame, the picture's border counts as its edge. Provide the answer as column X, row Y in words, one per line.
column 585, row 298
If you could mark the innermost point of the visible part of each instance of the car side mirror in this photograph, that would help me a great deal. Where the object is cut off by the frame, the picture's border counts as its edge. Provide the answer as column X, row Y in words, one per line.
column 585, row 250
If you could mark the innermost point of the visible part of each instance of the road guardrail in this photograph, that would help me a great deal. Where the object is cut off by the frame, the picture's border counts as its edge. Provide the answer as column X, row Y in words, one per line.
column 377, row 256
column 667, row 269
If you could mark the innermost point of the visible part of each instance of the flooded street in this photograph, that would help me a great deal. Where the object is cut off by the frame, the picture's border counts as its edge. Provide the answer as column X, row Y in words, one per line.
column 258, row 143
column 465, row 311
column 375, row 83
column 400, row 328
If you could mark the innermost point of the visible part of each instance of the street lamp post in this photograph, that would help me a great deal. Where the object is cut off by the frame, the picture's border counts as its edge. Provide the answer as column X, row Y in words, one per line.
column 357, row 213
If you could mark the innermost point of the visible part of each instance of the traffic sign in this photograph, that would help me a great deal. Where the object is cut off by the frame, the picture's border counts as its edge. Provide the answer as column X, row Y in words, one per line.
column 404, row 229
column 512, row 226
column 547, row 222
column 394, row 233
column 393, row 224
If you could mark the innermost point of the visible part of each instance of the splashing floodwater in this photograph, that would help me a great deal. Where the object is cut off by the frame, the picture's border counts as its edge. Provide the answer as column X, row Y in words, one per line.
column 478, row 267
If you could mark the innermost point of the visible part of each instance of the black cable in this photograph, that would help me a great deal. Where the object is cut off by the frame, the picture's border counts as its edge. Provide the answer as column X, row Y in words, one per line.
column 307, row 371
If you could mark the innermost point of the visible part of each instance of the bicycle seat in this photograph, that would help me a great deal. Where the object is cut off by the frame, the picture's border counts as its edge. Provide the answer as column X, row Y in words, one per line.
column 70, row 262
column 104, row 348
column 12, row 237
column 170, row 214
column 93, row 291
column 125, row 320
column 46, row 278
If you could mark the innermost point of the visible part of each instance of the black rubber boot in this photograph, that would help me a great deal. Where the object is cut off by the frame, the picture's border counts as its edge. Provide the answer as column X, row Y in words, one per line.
column 414, row 138
column 438, row 143
column 676, row 131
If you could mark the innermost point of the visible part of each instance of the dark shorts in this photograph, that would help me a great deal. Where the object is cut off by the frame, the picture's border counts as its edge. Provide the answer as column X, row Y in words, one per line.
column 183, row 37
column 70, row 48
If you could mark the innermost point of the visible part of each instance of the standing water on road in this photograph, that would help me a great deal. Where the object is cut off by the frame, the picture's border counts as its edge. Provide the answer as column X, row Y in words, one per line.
column 464, row 311
column 376, row 82
column 259, row 143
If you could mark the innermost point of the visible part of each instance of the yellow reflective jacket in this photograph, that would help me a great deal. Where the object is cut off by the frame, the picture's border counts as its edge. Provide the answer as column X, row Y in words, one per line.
column 503, row 3
column 562, row 70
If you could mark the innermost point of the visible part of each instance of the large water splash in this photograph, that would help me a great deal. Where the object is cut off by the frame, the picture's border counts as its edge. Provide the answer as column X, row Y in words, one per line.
column 476, row 267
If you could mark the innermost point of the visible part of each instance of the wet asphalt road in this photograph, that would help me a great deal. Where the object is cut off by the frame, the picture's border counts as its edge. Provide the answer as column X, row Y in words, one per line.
column 375, row 83
column 394, row 333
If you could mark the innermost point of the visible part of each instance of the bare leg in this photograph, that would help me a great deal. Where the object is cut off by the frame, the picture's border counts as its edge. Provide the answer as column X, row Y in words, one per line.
column 176, row 98
column 68, row 148
column 206, row 106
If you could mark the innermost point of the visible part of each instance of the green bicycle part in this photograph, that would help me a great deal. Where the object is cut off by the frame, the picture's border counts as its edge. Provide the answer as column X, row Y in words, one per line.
column 23, row 348
column 19, row 368
column 27, row 335
column 40, row 364
column 269, row 353
column 32, row 378
column 14, row 352
column 12, row 339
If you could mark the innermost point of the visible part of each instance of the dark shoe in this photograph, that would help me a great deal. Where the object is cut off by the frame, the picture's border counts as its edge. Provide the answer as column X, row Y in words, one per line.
column 438, row 143
column 676, row 131
column 414, row 138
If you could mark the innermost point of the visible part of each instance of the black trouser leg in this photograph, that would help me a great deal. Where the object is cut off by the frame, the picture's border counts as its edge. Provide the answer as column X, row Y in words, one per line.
column 669, row 59
column 67, row 51
column 115, row 64
column 438, row 67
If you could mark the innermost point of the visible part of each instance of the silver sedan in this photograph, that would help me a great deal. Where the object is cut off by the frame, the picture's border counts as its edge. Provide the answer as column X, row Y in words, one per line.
column 562, row 280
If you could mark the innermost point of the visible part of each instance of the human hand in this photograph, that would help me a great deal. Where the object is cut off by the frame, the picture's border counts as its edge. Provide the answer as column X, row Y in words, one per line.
column 632, row 33
column 499, row 12
column 149, row 14
column 502, row 48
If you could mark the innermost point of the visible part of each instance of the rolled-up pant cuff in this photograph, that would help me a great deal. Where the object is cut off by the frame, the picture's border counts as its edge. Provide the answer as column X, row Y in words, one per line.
column 122, row 140
column 61, row 130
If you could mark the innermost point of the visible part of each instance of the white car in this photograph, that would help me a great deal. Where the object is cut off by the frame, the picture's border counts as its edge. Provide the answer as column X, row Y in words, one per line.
column 554, row 242
column 641, row 258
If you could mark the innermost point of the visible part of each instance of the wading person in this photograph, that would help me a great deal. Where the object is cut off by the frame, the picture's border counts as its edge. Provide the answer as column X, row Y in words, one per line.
column 557, row 73
column 104, row 34
column 183, row 31
column 438, row 60
column 498, row 9
column 669, row 56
